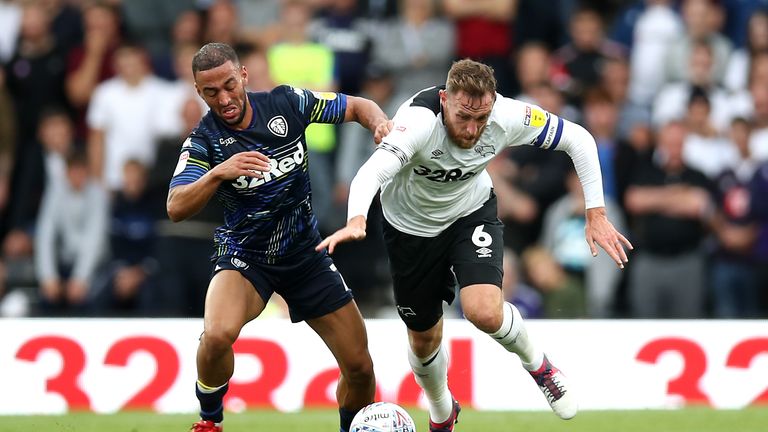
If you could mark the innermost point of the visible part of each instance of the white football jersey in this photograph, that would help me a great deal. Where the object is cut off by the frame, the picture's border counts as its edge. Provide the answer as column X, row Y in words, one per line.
column 440, row 182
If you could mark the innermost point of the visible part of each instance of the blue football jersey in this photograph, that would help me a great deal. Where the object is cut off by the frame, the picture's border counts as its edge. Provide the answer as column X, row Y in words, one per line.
column 270, row 218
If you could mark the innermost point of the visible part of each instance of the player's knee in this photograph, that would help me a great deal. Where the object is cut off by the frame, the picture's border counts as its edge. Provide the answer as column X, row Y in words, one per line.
column 219, row 338
column 485, row 319
column 359, row 370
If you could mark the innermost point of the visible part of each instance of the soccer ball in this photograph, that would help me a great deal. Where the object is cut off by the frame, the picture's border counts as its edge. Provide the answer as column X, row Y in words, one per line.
column 382, row 417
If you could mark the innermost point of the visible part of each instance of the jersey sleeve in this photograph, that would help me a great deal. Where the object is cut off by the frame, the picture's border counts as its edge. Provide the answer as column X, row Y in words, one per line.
column 315, row 106
column 527, row 124
column 412, row 126
column 194, row 161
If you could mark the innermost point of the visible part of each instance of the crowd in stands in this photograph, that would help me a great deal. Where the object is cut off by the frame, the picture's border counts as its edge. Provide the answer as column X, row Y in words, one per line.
column 96, row 98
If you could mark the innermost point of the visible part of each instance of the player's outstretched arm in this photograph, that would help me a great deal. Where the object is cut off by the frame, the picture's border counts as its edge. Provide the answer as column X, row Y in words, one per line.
column 369, row 115
column 186, row 200
column 355, row 230
column 600, row 231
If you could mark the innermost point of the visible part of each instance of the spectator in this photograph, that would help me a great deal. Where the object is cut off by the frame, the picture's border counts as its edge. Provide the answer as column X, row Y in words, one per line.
column 672, row 100
column 528, row 301
column 70, row 240
column 581, row 59
column 92, row 62
column 7, row 148
column 703, row 20
column 221, row 23
column 484, row 33
column 10, row 23
column 147, row 22
column 545, row 22
column 180, row 90
column 533, row 66
column 563, row 238
column 657, row 28
column 186, row 32
column 35, row 74
column 67, row 22
column 669, row 203
column 129, row 277
column 341, row 27
column 563, row 294
column 759, row 209
column 601, row 119
column 704, row 149
column 255, row 61
column 758, row 140
column 418, row 47
column 615, row 80
column 123, row 118
column 737, row 74
column 735, row 292
column 55, row 139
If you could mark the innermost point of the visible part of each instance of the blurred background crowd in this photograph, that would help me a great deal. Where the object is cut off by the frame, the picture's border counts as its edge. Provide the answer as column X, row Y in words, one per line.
column 96, row 98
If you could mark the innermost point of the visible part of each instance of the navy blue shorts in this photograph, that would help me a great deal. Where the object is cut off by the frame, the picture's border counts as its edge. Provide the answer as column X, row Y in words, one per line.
column 310, row 283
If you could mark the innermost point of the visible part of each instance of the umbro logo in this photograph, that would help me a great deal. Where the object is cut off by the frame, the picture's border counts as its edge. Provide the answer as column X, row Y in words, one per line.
column 278, row 126
column 483, row 252
column 436, row 154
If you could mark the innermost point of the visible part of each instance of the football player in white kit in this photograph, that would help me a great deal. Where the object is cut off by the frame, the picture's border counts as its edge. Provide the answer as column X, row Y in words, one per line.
column 441, row 225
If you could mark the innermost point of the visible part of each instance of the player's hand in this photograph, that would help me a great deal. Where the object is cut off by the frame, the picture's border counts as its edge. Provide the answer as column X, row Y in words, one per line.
column 355, row 230
column 382, row 130
column 249, row 164
column 600, row 231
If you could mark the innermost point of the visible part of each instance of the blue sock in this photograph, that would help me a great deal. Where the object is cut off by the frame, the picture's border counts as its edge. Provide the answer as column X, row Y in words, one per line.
column 345, row 418
column 212, row 403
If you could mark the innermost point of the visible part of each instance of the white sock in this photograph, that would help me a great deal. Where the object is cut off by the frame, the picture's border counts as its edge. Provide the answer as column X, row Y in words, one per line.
column 431, row 374
column 513, row 336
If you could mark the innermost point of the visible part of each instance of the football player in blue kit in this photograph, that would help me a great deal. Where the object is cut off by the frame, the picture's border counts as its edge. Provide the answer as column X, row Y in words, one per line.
column 250, row 151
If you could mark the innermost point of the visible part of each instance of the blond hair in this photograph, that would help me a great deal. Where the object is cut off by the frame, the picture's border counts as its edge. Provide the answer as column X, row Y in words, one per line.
column 473, row 78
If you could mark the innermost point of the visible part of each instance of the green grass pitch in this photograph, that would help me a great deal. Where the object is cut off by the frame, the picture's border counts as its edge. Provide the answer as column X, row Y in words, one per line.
column 683, row 420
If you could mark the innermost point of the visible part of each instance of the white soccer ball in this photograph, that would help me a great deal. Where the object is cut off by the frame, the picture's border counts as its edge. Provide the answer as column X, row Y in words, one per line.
column 382, row 417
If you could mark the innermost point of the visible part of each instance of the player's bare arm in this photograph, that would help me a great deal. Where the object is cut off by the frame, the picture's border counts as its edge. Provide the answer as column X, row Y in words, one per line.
column 600, row 231
column 185, row 201
column 369, row 115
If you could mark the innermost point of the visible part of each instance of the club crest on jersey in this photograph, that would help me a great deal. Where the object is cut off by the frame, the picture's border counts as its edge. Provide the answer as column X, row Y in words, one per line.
column 485, row 150
column 278, row 126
